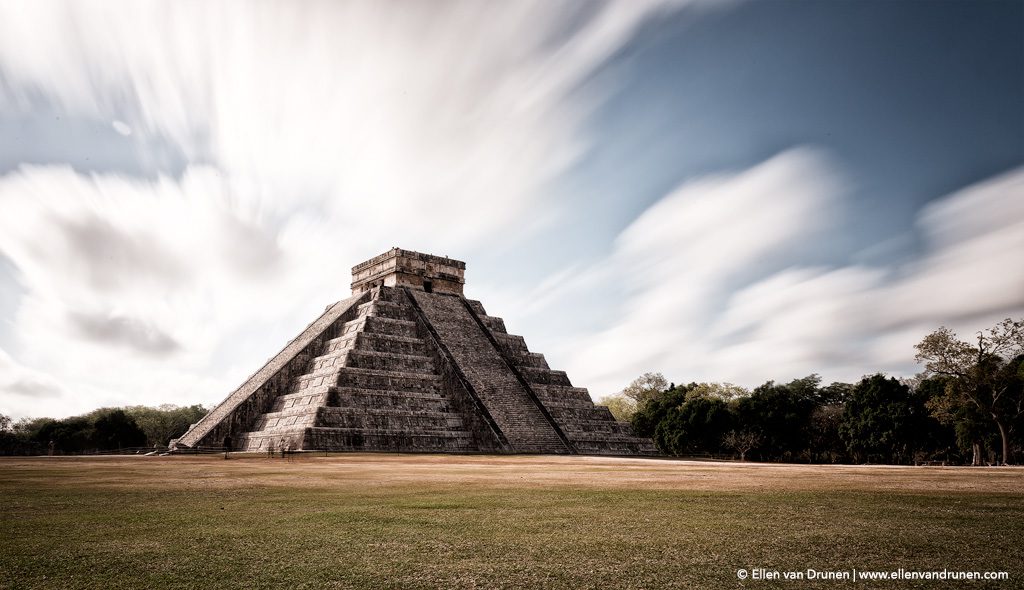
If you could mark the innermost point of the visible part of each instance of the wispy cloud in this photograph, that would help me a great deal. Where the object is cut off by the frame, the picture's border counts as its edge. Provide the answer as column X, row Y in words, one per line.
column 352, row 111
column 127, row 332
column 707, row 299
column 316, row 134
column 22, row 386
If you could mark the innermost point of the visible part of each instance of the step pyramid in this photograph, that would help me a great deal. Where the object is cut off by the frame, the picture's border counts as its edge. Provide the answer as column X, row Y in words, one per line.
column 408, row 363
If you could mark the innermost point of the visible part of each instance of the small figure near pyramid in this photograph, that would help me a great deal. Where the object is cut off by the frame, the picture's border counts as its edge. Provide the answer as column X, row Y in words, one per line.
column 407, row 363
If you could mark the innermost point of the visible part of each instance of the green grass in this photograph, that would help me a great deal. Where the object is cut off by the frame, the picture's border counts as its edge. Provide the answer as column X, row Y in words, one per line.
column 387, row 522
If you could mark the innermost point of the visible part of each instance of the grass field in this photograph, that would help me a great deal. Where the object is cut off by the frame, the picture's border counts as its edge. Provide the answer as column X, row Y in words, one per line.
column 390, row 521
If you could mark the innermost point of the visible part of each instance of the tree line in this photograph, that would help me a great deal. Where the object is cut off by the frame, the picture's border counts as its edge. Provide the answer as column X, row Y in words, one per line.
column 966, row 407
column 105, row 429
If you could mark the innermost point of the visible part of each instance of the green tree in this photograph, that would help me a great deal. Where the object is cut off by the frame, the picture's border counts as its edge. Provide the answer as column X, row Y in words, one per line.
column 695, row 426
column 115, row 429
column 165, row 422
column 961, row 427
column 645, row 387
column 824, row 442
column 781, row 415
column 723, row 391
column 621, row 406
column 648, row 416
column 70, row 435
column 741, row 441
column 834, row 394
column 987, row 375
column 883, row 421
column 9, row 443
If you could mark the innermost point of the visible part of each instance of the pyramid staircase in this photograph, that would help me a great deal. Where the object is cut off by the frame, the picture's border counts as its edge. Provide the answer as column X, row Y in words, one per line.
column 371, row 386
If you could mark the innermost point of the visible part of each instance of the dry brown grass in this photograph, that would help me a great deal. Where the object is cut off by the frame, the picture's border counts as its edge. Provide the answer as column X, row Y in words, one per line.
column 425, row 521
column 359, row 470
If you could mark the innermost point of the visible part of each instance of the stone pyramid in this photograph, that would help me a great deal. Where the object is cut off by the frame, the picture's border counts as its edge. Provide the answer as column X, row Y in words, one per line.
column 407, row 363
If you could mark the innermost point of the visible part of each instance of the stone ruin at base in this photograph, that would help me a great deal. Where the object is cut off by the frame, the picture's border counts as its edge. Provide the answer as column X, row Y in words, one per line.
column 407, row 363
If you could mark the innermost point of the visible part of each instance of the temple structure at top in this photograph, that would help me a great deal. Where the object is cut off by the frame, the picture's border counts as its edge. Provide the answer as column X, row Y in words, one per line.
column 408, row 363
column 405, row 268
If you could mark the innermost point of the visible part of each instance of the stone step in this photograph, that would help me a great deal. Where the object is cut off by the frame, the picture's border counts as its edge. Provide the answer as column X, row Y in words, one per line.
column 607, row 414
column 495, row 324
column 371, row 359
column 596, row 426
column 559, row 393
column 390, row 326
column 604, row 446
column 371, row 342
column 531, row 360
column 316, row 396
column 578, row 410
column 390, row 294
column 390, row 380
column 388, row 419
column 515, row 347
column 387, row 309
column 290, row 411
column 389, row 361
column 341, row 344
column 296, row 416
column 326, row 377
column 330, row 360
column 545, row 376
column 378, row 342
column 541, row 448
column 478, row 307
column 595, row 439
column 512, row 343
column 389, row 343
column 284, row 427
column 358, row 439
column 261, row 441
column 377, row 325
column 405, row 365
column 351, row 397
column 522, row 357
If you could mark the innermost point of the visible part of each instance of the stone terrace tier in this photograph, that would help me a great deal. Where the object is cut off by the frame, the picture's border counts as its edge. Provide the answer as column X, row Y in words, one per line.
column 590, row 428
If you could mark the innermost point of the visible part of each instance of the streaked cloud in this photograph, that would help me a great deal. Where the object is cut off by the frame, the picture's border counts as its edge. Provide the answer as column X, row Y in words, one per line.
column 313, row 134
column 352, row 111
column 190, row 183
column 21, row 386
column 126, row 332
column 705, row 304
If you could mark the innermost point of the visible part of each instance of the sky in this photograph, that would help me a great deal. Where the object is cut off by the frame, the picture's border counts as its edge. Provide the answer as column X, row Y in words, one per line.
column 732, row 191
